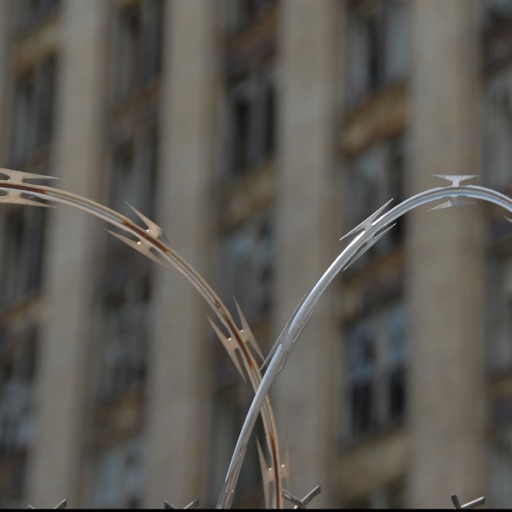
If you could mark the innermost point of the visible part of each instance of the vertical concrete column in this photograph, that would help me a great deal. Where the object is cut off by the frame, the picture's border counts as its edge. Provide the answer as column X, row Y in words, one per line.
column 178, row 394
column 65, row 338
column 4, row 48
column 306, row 236
column 445, row 261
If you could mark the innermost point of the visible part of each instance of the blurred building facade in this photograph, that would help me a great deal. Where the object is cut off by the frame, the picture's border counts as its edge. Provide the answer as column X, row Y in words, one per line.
column 256, row 133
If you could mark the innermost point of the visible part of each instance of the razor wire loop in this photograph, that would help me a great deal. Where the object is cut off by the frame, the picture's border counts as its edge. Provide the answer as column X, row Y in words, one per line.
column 364, row 236
column 151, row 242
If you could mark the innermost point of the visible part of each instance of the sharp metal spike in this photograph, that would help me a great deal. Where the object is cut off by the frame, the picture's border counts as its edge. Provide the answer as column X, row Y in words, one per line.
column 143, row 247
column 453, row 201
column 474, row 503
column 192, row 504
column 355, row 256
column 456, row 501
column 367, row 224
column 293, row 499
column 153, row 229
column 287, row 458
column 470, row 504
column 62, row 504
column 267, row 475
column 380, row 234
column 367, row 245
column 247, row 332
column 284, row 471
column 314, row 492
column 21, row 176
column 230, row 346
column 301, row 503
column 456, row 179
column 274, row 348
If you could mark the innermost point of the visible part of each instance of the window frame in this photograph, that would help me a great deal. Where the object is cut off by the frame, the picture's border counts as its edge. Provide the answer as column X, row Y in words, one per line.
column 136, row 56
column 21, row 273
column 240, row 286
column 369, row 37
column 377, row 376
column 32, row 129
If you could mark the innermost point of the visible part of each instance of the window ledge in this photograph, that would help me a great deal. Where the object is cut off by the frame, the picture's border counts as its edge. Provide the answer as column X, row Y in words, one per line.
column 383, row 115
column 390, row 447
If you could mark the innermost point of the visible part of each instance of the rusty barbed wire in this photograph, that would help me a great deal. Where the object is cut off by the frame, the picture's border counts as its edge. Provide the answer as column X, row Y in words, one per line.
column 239, row 342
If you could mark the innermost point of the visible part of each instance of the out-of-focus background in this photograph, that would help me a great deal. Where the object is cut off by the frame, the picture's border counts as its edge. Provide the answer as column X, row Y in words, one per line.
column 256, row 133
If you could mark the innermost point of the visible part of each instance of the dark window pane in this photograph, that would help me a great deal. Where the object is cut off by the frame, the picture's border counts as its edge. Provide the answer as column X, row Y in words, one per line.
column 362, row 409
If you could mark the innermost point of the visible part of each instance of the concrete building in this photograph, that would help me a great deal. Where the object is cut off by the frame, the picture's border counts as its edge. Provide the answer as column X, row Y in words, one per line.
column 256, row 133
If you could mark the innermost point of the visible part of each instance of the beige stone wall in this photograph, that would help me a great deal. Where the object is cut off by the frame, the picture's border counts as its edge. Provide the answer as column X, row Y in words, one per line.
column 4, row 46
column 445, row 261
column 55, row 469
column 306, row 237
column 177, row 421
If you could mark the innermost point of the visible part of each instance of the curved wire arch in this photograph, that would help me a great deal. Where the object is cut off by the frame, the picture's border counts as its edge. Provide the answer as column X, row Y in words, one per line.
column 152, row 243
column 364, row 236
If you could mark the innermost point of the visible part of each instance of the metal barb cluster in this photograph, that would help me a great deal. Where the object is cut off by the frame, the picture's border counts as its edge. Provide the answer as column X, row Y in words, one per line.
column 142, row 245
column 370, row 229
column 367, row 224
column 192, row 504
column 455, row 181
column 62, row 504
column 469, row 504
column 301, row 503
column 20, row 192
column 16, row 188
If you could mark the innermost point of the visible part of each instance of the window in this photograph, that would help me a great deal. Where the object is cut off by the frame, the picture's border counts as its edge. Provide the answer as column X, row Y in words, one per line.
column 33, row 114
column 18, row 354
column 499, row 315
column 376, row 46
column 129, row 55
column 124, row 339
column 30, row 13
column 126, row 282
column 18, row 373
column 375, row 386
column 372, row 179
column 500, row 469
column 118, row 476
column 497, row 134
column 134, row 162
column 22, row 257
column 138, row 46
column 152, row 23
column 496, row 12
column 246, row 259
column 240, row 110
column 268, row 121
column 362, row 361
column 238, row 14
column 251, row 129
